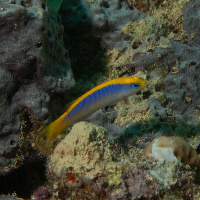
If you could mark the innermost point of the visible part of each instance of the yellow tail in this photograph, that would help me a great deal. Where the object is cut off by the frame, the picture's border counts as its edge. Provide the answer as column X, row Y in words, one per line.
column 55, row 128
column 44, row 140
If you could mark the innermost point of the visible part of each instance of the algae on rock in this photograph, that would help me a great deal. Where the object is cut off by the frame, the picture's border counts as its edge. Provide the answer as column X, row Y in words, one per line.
column 85, row 148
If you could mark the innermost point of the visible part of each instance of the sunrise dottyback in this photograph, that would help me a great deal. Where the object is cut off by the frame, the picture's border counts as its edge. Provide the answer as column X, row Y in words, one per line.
column 99, row 97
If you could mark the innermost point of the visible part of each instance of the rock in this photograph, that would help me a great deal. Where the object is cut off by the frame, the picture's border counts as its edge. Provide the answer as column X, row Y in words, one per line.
column 81, row 150
column 103, row 19
column 34, row 66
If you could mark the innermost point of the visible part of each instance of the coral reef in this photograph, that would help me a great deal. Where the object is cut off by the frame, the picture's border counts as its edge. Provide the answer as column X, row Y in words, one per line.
column 157, row 40
column 191, row 22
column 144, row 5
column 181, row 88
column 146, row 34
column 174, row 20
column 86, row 146
column 156, row 108
column 27, row 69
column 172, row 149
column 86, row 165
column 103, row 19
column 159, row 10
column 177, row 64
column 106, row 119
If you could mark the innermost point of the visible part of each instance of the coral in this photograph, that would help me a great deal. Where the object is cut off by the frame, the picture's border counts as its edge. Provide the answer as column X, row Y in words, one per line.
column 191, row 22
column 102, row 117
column 144, row 5
column 159, row 10
column 146, row 34
column 56, row 72
column 172, row 149
column 106, row 119
column 136, row 111
column 167, row 173
column 156, row 108
column 174, row 20
column 139, row 183
column 180, row 66
column 114, row 131
column 117, row 62
column 103, row 19
column 84, row 165
column 33, row 68
column 86, row 146
column 181, row 88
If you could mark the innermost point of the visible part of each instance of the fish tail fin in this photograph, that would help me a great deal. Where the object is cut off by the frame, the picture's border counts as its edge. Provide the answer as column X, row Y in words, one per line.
column 44, row 139
column 55, row 128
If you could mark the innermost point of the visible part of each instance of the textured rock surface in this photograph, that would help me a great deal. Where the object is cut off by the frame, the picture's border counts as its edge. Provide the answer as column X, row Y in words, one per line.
column 191, row 22
column 100, row 18
column 85, row 164
column 33, row 67
column 182, row 88
column 86, row 146
column 180, row 61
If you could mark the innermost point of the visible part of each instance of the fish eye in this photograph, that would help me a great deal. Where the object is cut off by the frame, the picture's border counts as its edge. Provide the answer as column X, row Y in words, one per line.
column 135, row 85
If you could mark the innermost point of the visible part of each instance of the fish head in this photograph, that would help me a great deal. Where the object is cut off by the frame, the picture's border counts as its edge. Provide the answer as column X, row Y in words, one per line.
column 132, row 85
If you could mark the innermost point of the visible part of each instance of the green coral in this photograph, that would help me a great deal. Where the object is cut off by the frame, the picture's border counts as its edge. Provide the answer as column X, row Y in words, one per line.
column 54, row 5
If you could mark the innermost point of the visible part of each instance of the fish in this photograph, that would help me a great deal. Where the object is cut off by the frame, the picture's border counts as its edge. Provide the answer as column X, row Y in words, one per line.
column 103, row 95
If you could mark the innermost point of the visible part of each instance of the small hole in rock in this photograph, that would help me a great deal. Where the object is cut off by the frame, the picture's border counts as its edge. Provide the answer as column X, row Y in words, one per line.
column 105, row 5
column 12, row 142
column 43, row 6
column 192, row 64
column 136, row 45
column 23, row 3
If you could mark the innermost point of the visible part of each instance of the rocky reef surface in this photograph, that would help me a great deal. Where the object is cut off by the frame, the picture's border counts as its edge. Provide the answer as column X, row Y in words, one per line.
column 34, row 68
column 85, row 165
column 100, row 40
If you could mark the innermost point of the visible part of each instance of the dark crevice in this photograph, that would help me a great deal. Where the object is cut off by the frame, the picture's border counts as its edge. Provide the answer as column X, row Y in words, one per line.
column 24, row 180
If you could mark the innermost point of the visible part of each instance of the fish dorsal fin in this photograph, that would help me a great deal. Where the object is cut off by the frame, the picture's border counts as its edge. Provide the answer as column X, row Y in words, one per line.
column 73, row 102
column 69, row 105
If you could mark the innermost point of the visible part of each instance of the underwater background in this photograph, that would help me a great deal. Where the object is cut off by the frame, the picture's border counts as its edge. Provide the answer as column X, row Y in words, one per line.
column 144, row 147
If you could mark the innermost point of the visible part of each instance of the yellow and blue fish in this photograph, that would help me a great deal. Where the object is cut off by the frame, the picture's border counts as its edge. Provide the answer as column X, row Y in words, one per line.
column 99, row 97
